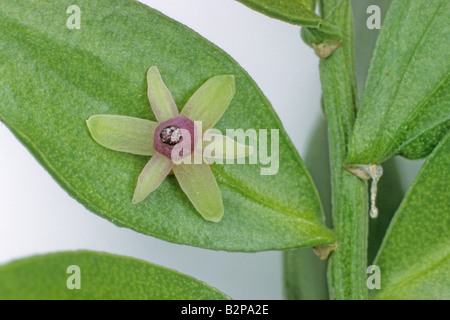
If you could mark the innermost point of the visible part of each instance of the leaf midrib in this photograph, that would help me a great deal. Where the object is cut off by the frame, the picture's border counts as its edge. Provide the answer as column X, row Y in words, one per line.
column 233, row 184
column 410, row 276
column 424, row 131
column 418, row 112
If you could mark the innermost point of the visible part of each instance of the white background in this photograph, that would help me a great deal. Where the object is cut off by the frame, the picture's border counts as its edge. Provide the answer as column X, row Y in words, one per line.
column 37, row 216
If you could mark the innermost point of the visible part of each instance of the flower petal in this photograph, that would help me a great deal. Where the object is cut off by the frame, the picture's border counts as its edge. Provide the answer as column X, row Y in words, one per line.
column 160, row 98
column 210, row 101
column 217, row 146
column 151, row 177
column 122, row 133
column 199, row 184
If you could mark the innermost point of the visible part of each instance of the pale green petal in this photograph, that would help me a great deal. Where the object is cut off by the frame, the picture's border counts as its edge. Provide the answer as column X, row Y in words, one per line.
column 199, row 184
column 210, row 101
column 217, row 146
column 122, row 133
column 151, row 177
column 160, row 98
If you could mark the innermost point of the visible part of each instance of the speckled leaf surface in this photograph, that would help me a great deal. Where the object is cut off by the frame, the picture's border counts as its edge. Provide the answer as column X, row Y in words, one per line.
column 414, row 258
column 53, row 79
column 99, row 276
column 405, row 106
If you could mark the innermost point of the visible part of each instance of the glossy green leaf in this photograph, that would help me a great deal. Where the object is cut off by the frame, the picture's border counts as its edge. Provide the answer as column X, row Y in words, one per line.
column 390, row 192
column 298, row 12
column 414, row 258
column 320, row 35
column 53, row 79
column 87, row 275
column 304, row 274
column 405, row 106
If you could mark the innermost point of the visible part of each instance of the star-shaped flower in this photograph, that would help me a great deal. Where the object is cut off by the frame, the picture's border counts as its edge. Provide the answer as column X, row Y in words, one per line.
column 174, row 139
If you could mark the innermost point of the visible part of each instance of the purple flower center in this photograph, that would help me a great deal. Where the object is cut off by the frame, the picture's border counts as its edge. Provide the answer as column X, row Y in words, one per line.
column 171, row 135
column 174, row 138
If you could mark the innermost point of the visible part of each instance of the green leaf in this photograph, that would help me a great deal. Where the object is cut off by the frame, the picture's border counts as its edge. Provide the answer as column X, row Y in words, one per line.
column 322, row 36
column 99, row 276
column 298, row 12
column 405, row 106
column 53, row 79
column 414, row 258
column 305, row 275
column 390, row 191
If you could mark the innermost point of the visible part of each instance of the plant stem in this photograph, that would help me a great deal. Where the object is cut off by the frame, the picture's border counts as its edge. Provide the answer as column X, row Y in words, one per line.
column 347, row 267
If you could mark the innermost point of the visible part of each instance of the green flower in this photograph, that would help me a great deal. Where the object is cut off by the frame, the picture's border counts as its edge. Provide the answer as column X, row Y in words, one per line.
column 170, row 140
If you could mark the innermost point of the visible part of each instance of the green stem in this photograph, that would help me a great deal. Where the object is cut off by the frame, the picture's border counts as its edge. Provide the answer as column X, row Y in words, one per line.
column 347, row 267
